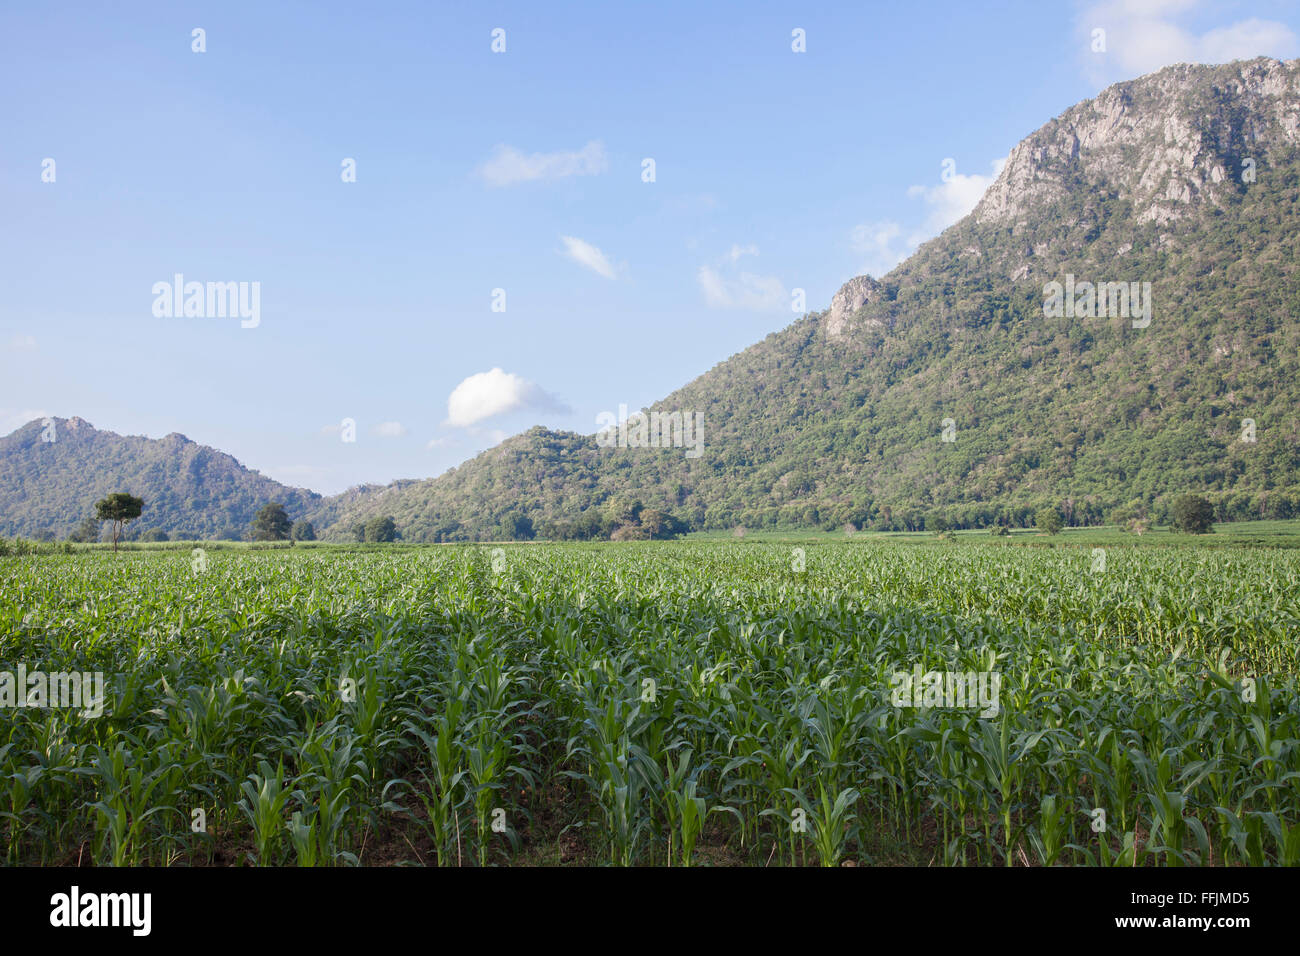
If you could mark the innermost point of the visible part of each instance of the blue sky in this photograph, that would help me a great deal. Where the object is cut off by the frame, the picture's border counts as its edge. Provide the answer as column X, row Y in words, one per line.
column 477, row 170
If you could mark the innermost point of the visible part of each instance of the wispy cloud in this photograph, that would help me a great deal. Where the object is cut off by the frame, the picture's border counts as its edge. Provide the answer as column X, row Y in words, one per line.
column 725, row 286
column 508, row 166
column 488, row 394
column 587, row 256
column 1142, row 36
column 21, row 343
column 389, row 430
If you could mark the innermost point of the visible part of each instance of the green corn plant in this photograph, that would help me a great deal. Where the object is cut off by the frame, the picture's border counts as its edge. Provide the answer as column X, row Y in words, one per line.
column 265, row 797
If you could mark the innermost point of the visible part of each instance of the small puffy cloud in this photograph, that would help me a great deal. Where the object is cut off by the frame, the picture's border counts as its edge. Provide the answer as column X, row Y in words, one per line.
column 726, row 287
column 508, row 166
column 879, row 246
column 487, row 394
column 22, row 343
column 1142, row 36
column 389, row 430
column 433, row 443
column 587, row 256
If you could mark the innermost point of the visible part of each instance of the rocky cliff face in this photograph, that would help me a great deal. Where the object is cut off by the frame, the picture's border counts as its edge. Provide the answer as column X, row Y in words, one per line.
column 1161, row 142
column 853, row 295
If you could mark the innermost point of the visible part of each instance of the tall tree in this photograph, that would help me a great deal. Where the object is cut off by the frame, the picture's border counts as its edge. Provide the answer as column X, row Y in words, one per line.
column 118, row 508
column 271, row 523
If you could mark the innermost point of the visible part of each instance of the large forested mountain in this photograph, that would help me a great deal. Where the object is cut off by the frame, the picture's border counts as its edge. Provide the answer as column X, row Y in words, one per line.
column 48, row 486
column 1187, row 179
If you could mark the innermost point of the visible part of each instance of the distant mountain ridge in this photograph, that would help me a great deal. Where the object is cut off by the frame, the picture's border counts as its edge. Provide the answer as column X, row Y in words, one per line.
column 190, row 490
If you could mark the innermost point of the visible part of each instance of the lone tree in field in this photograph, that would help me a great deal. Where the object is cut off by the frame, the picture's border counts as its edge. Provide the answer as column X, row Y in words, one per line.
column 381, row 530
column 271, row 523
column 1048, row 521
column 1192, row 514
column 302, row 531
column 118, row 508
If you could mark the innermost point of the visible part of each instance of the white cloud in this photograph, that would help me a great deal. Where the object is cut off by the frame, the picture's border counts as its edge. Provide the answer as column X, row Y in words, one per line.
column 954, row 198
column 743, row 291
column 882, row 244
column 389, row 430
column 1144, row 35
column 487, row 394
column 1248, row 39
column 508, row 166
column 725, row 287
column 738, row 251
column 587, row 256
column 22, row 343
column 433, row 443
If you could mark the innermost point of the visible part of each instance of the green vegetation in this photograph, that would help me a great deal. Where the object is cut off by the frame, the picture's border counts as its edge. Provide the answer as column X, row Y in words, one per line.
column 658, row 703
column 302, row 531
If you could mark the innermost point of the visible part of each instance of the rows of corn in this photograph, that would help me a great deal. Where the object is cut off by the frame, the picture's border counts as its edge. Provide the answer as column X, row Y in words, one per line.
column 654, row 702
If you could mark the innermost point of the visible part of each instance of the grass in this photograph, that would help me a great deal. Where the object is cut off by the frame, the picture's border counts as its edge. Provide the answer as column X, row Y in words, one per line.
column 697, row 702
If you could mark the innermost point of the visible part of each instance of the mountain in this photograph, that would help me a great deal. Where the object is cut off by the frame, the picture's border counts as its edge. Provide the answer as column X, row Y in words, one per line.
column 1187, row 179
column 1183, row 185
column 190, row 490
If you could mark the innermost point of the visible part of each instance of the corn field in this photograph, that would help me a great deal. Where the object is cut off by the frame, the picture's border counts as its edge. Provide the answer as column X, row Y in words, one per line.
column 669, row 704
